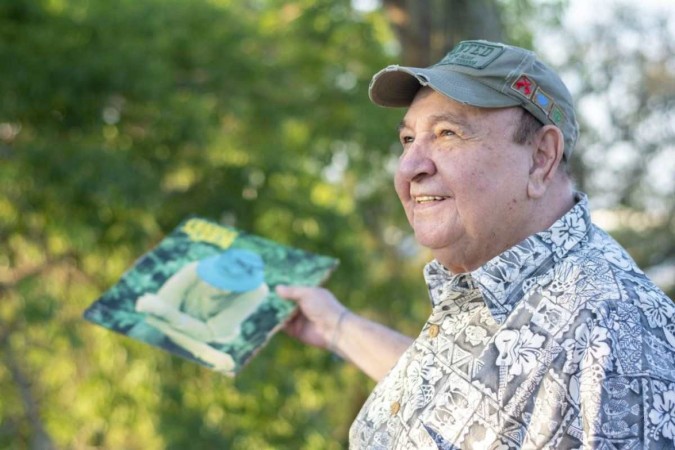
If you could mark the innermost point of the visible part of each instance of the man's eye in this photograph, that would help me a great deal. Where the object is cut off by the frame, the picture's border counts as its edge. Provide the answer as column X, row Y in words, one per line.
column 447, row 133
column 407, row 139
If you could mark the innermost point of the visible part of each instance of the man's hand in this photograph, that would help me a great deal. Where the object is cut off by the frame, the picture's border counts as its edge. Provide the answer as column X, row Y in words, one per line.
column 318, row 314
column 324, row 322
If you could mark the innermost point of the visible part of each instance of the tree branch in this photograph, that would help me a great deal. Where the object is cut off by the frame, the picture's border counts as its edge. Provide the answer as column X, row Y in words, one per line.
column 9, row 278
column 40, row 439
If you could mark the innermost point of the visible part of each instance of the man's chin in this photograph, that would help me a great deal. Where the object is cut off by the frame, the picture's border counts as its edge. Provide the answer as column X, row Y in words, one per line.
column 431, row 242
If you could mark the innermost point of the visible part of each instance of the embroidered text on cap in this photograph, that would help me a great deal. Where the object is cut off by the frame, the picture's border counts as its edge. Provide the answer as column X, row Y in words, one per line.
column 476, row 55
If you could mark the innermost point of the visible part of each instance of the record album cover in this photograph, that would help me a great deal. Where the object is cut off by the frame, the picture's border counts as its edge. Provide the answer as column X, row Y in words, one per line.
column 206, row 293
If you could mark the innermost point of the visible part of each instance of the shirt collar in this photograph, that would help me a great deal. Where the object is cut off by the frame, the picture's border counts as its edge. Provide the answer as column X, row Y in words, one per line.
column 501, row 279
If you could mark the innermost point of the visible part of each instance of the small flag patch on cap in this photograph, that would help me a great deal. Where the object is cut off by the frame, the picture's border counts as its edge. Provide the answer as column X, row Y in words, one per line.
column 557, row 115
column 542, row 100
column 524, row 86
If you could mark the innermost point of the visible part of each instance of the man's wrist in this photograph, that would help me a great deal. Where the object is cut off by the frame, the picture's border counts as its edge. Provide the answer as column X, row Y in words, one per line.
column 337, row 331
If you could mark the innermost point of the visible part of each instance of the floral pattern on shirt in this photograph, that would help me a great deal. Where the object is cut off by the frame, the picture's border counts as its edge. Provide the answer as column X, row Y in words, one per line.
column 559, row 342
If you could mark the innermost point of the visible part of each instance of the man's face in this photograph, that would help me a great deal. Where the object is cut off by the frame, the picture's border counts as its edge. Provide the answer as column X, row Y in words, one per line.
column 462, row 180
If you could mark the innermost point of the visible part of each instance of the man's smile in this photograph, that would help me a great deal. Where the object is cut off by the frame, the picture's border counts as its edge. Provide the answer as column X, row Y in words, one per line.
column 422, row 199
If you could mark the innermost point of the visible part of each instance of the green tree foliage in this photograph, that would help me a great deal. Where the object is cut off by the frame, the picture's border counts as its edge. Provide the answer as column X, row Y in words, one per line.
column 117, row 119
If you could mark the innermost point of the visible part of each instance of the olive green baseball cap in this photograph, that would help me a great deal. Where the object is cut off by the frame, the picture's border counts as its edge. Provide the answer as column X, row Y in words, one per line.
column 487, row 75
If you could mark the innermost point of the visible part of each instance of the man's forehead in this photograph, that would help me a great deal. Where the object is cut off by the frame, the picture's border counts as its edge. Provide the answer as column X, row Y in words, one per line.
column 433, row 107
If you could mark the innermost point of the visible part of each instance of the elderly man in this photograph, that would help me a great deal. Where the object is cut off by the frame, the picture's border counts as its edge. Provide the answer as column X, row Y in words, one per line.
column 543, row 332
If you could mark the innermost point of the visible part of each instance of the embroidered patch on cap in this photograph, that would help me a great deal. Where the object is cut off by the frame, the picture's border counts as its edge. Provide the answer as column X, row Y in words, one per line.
column 557, row 115
column 474, row 54
column 542, row 100
column 524, row 86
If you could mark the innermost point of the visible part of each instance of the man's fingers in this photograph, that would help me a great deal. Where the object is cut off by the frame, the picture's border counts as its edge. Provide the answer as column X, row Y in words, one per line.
column 293, row 292
column 283, row 291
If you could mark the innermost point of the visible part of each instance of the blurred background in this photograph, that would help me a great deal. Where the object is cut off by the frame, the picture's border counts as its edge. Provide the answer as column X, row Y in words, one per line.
column 118, row 119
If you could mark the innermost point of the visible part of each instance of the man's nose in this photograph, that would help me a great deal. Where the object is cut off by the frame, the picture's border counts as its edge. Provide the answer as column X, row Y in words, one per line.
column 416, row 161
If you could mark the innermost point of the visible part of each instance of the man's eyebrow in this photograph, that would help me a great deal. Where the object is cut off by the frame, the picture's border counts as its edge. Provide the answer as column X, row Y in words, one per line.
column 436, row 118
column 449, row 117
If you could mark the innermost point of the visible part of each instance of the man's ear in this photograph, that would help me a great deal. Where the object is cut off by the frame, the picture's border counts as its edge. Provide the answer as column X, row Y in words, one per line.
column 548, row 147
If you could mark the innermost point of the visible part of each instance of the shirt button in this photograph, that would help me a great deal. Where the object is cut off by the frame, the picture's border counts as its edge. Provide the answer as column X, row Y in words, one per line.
column 433, row 330
column 395, row 408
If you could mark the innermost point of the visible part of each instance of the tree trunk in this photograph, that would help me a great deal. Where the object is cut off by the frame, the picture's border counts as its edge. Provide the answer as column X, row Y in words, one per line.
column 427, row 29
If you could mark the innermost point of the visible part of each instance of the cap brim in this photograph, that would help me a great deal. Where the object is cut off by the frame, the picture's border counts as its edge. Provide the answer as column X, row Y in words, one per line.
column 397, row 86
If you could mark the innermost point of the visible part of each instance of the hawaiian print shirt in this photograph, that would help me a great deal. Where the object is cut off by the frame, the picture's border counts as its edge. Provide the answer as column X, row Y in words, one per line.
column 560, row 342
